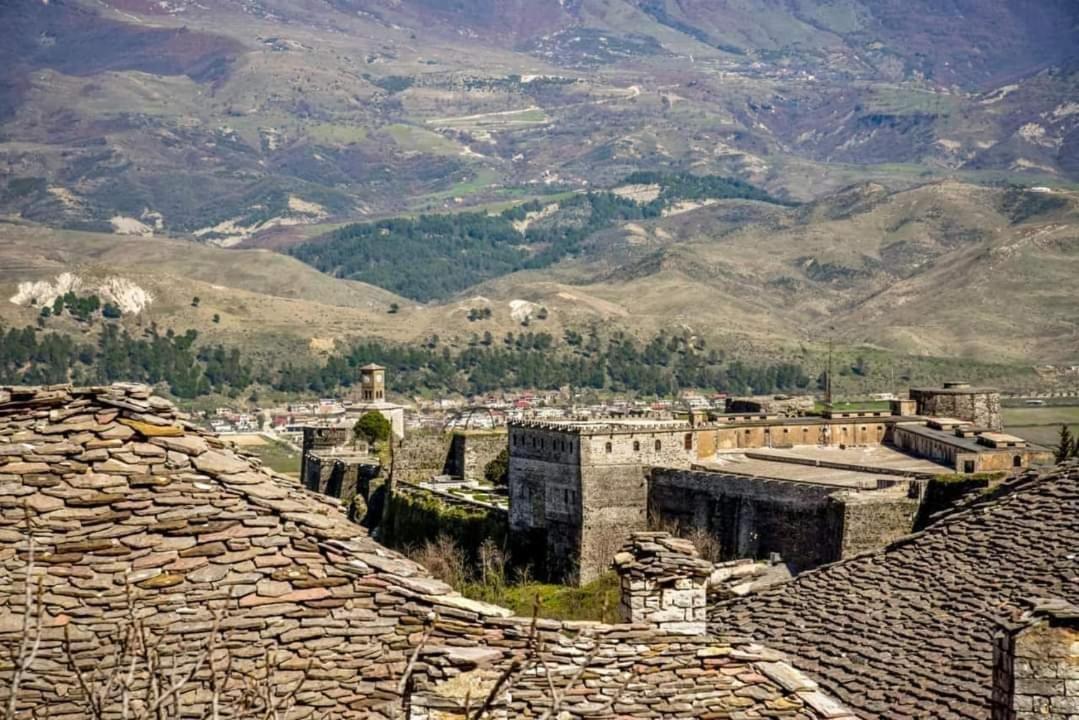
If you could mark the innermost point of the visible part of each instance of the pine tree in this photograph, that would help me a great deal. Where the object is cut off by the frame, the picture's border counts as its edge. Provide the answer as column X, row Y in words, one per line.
column 1066, row 446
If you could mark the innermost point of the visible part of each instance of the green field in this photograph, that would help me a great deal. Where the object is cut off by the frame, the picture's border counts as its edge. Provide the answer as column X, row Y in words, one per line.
column 1041, row 424
column 277, row 456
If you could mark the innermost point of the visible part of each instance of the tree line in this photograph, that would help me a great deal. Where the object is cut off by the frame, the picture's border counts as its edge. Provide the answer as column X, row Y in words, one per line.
column 660, row 367
column 36, row 358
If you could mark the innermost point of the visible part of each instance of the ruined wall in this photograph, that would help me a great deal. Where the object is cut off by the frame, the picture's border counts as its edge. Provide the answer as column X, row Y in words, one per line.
column 807, row 524
column 979, row 406
column 471, row 450
column 421, row 456
column 1036, row 670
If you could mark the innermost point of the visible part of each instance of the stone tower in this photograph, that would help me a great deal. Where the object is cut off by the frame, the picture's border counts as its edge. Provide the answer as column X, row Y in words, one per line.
column 978, row 405
column 372, row 383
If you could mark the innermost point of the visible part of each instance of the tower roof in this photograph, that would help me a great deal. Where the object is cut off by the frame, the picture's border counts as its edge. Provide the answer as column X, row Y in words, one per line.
column 372, row 366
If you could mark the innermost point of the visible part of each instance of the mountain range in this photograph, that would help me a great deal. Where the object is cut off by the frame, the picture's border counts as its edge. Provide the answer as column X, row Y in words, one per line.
column 921, row 160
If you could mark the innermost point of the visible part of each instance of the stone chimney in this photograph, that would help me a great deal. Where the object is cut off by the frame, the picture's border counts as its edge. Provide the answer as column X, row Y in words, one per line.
column 664, row 583
column 1036, row 669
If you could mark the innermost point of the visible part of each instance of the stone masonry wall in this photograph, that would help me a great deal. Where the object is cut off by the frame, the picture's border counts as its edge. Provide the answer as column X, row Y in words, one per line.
column 664, row 583
column 874, row 519
column 981, row 407
column 545, row 498
column 422, row 455
column 614, row 489
column 1036, row 674
column 752, row 517
column 807, row 524
column 470, row 452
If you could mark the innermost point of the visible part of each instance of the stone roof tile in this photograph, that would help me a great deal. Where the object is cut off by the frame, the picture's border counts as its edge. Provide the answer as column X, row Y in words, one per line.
column 131, row 508
column 906, row 631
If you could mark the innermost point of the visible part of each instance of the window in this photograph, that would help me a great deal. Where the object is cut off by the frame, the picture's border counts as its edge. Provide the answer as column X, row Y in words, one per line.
column 565, row 496
column 609, row 447
column 688, row 441
column 636, row 446
column 659, row 446
column 1017, row 461
column 968, row 466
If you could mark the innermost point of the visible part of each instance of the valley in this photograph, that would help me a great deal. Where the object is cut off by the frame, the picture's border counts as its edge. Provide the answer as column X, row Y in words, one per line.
column 908, row 192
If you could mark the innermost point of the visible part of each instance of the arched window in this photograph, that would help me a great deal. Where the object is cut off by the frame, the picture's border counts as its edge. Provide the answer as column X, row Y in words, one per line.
column 1017, row 461
column 609, row 447
column 659, row 446
column 636, row 446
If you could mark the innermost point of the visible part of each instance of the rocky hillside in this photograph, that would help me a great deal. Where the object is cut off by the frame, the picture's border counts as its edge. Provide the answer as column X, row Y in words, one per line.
column 944, row 269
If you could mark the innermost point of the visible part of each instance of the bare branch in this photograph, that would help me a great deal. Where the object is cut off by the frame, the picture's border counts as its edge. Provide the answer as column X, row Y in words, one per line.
column 28, row 648
column 402, row 685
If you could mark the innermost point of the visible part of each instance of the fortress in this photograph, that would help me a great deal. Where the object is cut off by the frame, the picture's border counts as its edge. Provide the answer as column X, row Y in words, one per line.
column 813, row 489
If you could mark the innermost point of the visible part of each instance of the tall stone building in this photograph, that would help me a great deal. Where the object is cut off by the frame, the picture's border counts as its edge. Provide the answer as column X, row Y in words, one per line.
column 978, row 405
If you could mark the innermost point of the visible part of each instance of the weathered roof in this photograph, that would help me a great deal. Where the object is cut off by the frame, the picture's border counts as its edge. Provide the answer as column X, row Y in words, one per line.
column 906, row 631
column 123, row 495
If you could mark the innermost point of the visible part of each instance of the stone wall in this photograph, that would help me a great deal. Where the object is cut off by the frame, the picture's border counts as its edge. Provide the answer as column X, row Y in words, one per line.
column 874, row 519
column 545, row 497
column 664, row 583
column 1036, row 672
column 807, row 524
column 980, row 406
column 471, row 450
column 421, row 456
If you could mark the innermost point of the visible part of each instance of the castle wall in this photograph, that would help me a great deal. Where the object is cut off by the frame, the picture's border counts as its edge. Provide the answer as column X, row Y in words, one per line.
column 545, row 497
column 978, row 406
column 421, row 456
column 872, row 520
column 470, row 452
column 862, row 431
column 807, row 524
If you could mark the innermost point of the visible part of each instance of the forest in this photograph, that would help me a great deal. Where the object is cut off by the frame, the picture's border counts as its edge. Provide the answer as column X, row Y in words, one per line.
column 432, row 257
column 660, row 367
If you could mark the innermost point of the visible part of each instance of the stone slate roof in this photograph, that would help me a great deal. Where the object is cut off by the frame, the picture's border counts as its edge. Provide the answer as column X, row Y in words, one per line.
column 125, row 496
column 906, row 631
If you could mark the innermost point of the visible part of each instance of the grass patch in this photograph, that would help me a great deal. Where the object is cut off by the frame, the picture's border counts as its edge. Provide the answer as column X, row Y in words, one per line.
column 277, row 456
column 336, row 133
column 1055, row 415
column 420, row 140
column 597, row 601
column 854, row 406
